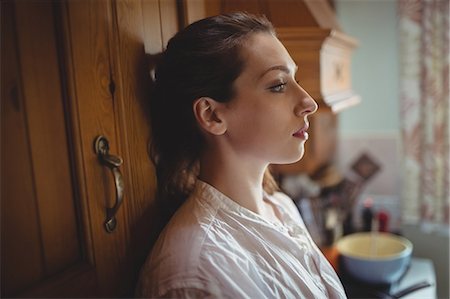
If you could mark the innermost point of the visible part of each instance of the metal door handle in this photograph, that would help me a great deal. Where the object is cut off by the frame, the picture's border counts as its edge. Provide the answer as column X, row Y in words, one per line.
column 101, row 146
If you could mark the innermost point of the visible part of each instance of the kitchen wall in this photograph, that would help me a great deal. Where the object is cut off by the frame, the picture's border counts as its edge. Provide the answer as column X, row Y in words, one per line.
column 373, row 126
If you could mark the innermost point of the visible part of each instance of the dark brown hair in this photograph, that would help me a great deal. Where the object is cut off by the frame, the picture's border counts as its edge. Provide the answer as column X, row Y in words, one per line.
column 202, row 60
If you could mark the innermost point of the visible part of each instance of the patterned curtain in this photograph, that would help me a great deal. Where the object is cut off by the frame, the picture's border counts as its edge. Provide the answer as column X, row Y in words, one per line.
column 425, row 110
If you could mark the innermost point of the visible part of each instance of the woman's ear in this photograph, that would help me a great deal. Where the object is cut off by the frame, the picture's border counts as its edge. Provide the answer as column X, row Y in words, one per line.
column 207, row 112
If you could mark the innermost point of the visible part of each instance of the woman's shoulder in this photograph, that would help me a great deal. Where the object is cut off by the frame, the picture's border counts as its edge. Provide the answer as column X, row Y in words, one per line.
column 174, row 261
column 183, row 236
column 199, row 222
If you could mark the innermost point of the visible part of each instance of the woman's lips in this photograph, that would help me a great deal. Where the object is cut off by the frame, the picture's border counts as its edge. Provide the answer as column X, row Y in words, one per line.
column 302, row 134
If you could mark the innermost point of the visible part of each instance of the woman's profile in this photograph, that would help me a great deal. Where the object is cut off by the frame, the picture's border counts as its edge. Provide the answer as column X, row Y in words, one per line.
column 226, row 105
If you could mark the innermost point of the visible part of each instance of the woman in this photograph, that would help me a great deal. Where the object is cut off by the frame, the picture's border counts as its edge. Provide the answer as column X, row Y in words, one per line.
column 226, row 105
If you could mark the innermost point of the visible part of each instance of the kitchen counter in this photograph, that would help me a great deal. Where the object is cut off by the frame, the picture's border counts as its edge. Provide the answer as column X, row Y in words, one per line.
column 420, row 270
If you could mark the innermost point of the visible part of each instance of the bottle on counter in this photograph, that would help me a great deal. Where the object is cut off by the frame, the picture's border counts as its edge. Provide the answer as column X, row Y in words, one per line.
column 367, row 215
column 383, row 221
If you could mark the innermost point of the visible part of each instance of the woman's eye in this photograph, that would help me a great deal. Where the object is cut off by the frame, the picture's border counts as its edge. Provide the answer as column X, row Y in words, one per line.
column 278, row 88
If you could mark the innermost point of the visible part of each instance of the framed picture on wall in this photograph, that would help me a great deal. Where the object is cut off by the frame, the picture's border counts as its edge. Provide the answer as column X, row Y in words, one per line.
column 365, row 166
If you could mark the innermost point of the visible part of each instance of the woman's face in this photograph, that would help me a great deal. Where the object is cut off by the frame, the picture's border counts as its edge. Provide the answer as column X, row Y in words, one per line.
column 267, row 118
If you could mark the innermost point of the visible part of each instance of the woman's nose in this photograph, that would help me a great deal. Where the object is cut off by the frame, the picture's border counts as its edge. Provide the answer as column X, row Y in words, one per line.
column 306, row 104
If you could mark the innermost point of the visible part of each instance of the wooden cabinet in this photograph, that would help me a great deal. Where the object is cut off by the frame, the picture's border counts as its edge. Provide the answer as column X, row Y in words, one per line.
column 73, row 70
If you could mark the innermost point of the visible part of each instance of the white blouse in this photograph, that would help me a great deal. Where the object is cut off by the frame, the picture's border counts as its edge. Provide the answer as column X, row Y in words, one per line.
column 215, row 248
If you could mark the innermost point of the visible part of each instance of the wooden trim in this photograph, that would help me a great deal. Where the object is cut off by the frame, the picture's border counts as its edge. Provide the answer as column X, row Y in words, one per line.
column 153, row 40
column 338, row 38
column 69, row 82
column 342, row 100
column 303, row 34
column 323, row 13
column 299, row 39
column 191, row 11
column 169, row 19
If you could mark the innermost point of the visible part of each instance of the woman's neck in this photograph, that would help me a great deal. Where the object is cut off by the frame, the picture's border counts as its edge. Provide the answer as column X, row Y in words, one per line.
column 238, row 179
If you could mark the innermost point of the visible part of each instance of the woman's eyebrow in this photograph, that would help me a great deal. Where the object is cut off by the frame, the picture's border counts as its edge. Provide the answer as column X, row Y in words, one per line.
column 282, row 68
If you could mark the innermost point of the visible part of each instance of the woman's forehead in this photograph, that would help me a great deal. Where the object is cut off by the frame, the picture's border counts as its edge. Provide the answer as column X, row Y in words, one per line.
column 263, row 52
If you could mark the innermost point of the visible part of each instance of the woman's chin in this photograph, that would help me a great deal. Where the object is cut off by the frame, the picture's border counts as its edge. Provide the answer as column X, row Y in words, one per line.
column 291, row 159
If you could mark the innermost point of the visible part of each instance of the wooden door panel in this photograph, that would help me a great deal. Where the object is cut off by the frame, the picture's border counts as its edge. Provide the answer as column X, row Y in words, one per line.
column 47, row 137
column 92, row 85
column 76, row 70
column 19, row 266
column 40, row 226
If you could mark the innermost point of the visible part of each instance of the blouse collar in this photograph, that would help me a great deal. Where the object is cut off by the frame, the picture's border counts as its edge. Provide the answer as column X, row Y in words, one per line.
column 217, row 200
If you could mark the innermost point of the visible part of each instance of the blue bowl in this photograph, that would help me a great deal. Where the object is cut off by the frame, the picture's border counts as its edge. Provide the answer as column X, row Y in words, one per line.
column 375, row 258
